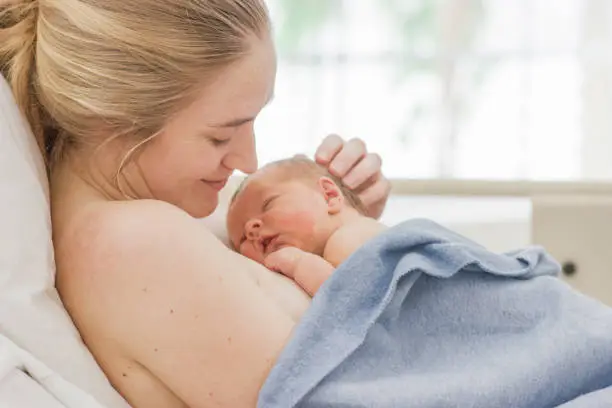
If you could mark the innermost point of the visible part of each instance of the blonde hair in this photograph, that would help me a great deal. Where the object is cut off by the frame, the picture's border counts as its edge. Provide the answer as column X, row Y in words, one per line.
column 80, row 69
column 300, row 167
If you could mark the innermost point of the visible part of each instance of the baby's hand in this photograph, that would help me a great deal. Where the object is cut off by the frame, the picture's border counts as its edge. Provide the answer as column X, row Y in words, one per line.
column 306, row 269
column 285, row 261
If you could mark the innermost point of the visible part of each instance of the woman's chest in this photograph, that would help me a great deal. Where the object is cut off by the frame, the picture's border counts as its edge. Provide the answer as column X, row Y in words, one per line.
column 288, row 296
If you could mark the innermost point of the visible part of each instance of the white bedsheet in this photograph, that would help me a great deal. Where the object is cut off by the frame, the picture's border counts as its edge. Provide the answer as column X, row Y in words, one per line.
column 26, row 382
column 32, row 318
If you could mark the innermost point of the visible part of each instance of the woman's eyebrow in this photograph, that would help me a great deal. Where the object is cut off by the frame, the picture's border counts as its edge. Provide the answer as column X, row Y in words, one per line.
column 234, row 122
column 241, row 121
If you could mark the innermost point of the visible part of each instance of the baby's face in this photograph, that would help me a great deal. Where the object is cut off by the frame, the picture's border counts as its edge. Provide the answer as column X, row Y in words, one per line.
column 269, row 214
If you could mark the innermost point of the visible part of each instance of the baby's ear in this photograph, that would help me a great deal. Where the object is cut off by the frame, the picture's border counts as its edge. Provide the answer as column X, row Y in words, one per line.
column 333, row 195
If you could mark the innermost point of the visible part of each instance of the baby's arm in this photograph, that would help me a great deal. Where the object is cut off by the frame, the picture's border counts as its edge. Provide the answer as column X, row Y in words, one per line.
column 307, row 270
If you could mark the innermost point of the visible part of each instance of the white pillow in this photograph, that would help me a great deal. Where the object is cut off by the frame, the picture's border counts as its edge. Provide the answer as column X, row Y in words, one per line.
column 31, row 313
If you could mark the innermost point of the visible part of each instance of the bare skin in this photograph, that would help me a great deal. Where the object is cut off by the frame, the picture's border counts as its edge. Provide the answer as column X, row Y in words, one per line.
column 300, row 228
column 310, row 271
column 147, row 312
column 173, row 317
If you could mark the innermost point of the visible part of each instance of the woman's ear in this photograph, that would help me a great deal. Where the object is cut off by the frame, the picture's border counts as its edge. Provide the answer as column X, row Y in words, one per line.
column 332, row 194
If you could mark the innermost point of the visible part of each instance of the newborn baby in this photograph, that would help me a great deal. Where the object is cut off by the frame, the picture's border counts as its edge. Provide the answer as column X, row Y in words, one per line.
column 297, row 219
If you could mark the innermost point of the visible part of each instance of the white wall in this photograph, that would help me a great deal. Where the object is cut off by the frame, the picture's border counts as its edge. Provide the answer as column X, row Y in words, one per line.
column 499, row 223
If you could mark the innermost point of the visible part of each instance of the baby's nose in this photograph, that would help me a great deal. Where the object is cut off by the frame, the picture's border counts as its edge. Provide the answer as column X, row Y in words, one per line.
column 252, row 229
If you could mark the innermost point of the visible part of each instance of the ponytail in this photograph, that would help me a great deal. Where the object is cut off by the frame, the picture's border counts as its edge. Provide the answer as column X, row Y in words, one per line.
column 86, row 71
column 18, row 26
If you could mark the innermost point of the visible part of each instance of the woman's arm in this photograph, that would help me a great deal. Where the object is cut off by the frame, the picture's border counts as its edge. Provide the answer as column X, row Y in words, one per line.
column 185, row 308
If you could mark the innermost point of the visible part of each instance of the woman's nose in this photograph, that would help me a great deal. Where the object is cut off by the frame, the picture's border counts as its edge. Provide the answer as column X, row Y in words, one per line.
column 243, row 156
column 252, row 229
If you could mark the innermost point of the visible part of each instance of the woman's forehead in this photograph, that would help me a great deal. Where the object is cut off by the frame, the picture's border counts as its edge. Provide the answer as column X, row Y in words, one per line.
column 240, row 91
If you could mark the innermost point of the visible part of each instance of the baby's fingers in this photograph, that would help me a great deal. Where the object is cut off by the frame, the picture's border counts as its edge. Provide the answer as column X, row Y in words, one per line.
column 283, row 261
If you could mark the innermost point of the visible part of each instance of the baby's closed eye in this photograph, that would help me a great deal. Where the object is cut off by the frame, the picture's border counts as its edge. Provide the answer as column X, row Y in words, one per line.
column 268, row 202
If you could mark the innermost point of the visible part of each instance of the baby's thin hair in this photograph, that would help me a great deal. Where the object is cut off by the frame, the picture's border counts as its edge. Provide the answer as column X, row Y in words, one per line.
column 300, row 167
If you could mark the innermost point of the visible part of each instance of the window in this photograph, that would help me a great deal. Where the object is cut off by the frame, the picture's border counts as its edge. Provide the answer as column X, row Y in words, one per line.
column 478, row 89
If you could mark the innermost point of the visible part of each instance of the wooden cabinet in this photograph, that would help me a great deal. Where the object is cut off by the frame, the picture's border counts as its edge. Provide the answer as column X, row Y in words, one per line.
column 577, row 231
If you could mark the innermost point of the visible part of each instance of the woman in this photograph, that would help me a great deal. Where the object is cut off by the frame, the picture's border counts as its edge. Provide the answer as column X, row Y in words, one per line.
column 144, row 109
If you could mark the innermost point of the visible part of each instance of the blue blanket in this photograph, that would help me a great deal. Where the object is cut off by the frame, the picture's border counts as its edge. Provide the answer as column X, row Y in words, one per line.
column 422, row 317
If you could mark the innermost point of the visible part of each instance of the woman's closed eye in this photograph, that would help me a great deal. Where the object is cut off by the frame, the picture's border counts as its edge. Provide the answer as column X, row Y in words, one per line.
column 218, row 142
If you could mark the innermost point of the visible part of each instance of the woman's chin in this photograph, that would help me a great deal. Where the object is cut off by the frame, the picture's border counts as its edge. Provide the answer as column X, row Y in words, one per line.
column 203, row 207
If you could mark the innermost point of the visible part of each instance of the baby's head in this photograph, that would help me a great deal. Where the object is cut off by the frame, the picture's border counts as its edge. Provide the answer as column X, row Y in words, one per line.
column 292, row 202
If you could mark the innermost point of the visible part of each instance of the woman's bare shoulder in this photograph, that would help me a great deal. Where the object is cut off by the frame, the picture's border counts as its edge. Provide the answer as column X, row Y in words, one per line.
column 131, row 247
column 135, row 222
column 181, row 304
column 122, row 232
column 146, row 231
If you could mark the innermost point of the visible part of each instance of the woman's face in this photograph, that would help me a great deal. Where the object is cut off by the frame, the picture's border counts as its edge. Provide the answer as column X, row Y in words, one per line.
column 189, row 163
